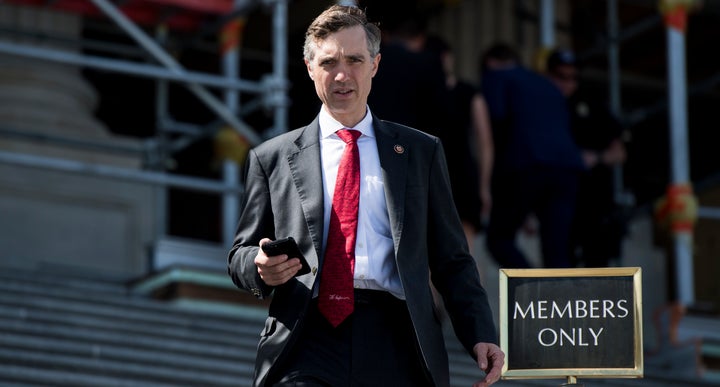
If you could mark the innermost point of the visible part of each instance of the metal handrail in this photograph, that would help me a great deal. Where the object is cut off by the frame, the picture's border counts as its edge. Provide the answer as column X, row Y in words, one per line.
column 119, row 173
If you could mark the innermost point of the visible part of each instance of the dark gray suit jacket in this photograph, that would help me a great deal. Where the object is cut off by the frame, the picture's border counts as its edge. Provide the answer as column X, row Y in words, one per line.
column 284, row 197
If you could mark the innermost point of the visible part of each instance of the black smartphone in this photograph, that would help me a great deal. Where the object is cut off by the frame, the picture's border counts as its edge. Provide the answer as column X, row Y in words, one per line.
column 289, row 247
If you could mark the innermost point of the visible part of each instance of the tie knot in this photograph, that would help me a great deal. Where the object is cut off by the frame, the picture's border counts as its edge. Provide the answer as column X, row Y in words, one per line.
column 348, row 135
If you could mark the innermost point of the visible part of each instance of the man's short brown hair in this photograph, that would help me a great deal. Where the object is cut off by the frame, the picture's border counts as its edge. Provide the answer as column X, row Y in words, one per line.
column 336, row 18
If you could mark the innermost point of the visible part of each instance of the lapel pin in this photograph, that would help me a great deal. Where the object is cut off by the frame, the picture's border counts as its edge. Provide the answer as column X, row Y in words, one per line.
column 399, row 149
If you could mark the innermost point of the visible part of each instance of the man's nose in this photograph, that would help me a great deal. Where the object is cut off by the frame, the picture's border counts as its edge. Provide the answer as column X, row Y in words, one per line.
column 341, row 75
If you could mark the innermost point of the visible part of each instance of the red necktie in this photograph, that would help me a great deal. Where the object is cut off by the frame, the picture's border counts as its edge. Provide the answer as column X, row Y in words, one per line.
column 336, row 299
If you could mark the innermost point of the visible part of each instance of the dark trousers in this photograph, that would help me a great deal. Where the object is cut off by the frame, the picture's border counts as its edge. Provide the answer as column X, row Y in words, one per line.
column 375, row 347
column 550, row 194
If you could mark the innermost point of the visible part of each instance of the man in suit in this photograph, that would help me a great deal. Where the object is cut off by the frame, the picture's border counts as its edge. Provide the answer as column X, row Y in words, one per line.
column 407, row 230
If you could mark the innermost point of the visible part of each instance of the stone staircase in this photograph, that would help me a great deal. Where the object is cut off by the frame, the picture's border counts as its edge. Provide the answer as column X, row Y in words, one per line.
column 68, row 331
column 85, row 330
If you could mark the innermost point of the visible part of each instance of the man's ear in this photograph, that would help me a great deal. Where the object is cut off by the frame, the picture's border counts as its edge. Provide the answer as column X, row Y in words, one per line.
column 308, row 65
column 376, row 63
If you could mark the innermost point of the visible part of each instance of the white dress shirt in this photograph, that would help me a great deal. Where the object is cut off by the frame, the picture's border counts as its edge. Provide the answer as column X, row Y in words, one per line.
column 374, row 252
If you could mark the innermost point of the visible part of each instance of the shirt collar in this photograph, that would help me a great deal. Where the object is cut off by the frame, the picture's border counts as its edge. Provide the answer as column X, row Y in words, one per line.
column 328, row 125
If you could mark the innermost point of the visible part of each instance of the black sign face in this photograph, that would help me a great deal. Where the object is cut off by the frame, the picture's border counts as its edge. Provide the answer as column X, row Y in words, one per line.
column 571, row 322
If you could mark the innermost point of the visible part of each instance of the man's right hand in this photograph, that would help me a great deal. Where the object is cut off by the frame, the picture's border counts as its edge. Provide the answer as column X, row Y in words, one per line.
column 275, row 270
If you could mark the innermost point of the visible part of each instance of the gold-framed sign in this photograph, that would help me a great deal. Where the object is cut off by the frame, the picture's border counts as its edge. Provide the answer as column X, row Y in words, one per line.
column 558, row 323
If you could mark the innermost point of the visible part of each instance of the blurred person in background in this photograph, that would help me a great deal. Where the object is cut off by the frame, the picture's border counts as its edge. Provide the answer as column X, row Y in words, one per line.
column 598, row 227
column 467, row 139
column 409, row 87
column 537, row 163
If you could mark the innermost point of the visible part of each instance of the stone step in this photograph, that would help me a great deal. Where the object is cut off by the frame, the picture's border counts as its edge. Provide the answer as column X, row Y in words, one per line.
column 137, row 341
column 59, row 278
column 108, row 368
column 705, row 327
column 131, row 309
column 246, row 334
column 162, row 358
column 79, row 332
column 34, row 376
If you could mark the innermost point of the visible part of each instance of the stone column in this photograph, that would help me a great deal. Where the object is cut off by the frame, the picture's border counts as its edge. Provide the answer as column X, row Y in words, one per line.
column 49, row 217
column 49, row 98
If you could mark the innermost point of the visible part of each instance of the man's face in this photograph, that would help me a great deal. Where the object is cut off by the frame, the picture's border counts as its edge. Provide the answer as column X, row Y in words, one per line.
column 342, row 70
column 565, row 78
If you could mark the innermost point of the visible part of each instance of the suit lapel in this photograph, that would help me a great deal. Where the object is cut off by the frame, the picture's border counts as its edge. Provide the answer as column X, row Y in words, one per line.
column 306, row 170
column 393, row 154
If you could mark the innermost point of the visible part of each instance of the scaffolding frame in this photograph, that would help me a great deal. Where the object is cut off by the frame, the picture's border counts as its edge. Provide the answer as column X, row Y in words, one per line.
column 675, row 105
column 270, row 93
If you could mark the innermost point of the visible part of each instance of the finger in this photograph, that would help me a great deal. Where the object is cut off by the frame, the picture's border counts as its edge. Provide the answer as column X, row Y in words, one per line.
column 279, row 271
column 288, row 266
column 489, row 380
column 494, row 373
column 275, row 280
column 272, row 278
column 481, row 351
column 264, row 241
column 268, row 264
column 261, row 257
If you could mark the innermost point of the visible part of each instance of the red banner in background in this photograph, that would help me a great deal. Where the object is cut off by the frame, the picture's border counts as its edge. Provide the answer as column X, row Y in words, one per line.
column 677, row 18
column 176, row 14
column 676, row 12
column 231, row 35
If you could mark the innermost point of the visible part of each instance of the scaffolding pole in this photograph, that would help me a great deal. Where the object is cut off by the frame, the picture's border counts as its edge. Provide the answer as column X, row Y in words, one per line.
column 162, row 102
column 127, row 67
column 231, row 35
column 680, row 159
column 547, row 24
column 168, row 61
column 276, row 97
column 116, row 173
column 680, row 189
column 615, row 93
column 613, row 51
